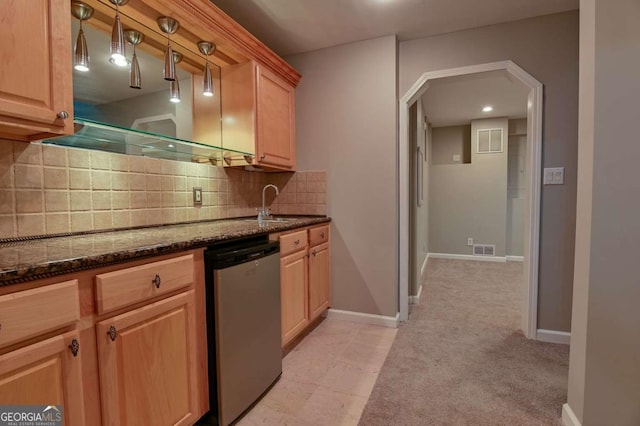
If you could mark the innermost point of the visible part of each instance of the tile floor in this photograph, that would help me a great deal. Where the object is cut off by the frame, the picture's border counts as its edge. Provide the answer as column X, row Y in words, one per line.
column 327, row 378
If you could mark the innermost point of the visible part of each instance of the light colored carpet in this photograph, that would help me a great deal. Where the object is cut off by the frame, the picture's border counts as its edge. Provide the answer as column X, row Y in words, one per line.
column 460, row 360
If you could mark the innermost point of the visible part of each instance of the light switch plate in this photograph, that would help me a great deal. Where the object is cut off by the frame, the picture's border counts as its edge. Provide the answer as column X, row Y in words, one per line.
column 197, row 196
column 554, row 176
column 456, row 157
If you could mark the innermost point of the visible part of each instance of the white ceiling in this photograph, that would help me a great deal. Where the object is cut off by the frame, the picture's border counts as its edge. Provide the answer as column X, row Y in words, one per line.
column 295, row 26
column 453, row 101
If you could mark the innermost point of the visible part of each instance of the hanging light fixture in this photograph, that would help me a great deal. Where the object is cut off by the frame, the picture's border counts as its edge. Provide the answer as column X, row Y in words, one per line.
column 168, row 26
column 82, row 12
column 174, row 85
column 118, row 52
column 135, row 38
column 207, row 48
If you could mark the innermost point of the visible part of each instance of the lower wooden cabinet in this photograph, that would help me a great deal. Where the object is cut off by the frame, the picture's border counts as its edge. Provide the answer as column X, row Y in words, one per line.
column 305, row 278
column 46, row 373
column 319, row 280
column 293, row 294
column 147, row 364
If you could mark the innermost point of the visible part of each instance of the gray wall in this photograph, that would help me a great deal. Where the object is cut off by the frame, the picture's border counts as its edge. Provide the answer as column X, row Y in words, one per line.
column 547, row 48
column 346, row 124
column 604, row 367
column 469, row 200
column 449, row 141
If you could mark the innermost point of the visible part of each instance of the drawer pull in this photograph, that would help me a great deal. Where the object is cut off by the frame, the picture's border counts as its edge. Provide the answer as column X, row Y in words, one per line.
column 296, row 242
column 314, row 253
column 112, row 333
column 62, row 115
column 322, row 235
column 75, row 347
column 157, row 281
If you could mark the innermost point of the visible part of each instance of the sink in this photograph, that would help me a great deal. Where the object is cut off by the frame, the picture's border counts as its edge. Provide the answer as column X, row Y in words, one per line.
column 275, row 220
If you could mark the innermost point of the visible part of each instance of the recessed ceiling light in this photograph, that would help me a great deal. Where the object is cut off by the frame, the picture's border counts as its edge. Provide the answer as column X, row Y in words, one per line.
column 488, row 108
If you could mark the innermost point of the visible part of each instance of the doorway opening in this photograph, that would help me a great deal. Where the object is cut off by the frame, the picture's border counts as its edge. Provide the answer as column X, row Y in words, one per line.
column 486, row 140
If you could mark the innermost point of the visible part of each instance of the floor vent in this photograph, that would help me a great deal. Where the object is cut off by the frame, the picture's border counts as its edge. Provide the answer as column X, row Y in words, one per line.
column 484, row 250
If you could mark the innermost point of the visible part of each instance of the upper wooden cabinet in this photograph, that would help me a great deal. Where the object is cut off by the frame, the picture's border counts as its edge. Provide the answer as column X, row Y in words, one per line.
column 258, row 117
column 36, row 98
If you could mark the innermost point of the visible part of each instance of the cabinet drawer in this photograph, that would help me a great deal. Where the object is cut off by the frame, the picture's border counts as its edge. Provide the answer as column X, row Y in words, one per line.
column 29, row 313
column 293, row 242
column 128, row 286
column 318, row 235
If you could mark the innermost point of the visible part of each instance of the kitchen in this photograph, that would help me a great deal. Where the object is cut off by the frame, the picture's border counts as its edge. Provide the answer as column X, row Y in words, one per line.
column 342, row 129
column 114, row 235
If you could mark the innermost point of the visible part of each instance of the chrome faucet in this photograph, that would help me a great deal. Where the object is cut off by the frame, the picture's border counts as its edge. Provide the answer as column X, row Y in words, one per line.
column 264, row 213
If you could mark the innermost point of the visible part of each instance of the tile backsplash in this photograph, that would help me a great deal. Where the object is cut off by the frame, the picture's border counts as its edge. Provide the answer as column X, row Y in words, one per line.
column 50, row 190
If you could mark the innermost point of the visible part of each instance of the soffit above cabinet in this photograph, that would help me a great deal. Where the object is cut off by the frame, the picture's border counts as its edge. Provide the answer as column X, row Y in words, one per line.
column 199, row 20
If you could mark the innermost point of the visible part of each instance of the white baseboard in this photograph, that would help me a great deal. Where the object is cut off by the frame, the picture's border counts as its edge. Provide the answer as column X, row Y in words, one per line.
column 415, row 299
column 379, row 320
column 515, row 258
column 467, row 257
column 552, row 336
column 424, row 265
column 569, row 418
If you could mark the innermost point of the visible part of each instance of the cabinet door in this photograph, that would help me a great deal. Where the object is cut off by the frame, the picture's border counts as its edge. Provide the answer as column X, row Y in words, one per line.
column 319, row 279
column 35, row 82
column 45, row 373
column 294, row 294
column 147, row 364
column 275, row 144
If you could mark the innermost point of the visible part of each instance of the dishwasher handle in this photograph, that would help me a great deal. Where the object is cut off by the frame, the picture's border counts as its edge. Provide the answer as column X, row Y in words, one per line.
column 231, row 257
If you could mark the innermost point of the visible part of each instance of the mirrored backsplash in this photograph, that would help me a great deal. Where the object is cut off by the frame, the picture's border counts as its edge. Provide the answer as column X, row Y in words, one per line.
column 178, row 109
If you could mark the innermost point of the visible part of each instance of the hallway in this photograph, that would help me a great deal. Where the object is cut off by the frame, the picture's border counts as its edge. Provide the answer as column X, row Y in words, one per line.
column 460, row 359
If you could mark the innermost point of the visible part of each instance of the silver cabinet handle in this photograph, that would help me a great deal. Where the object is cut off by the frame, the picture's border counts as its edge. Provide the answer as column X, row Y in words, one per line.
column 63, row 115
column 74, row 347
column 156, row 281
column 113, row 333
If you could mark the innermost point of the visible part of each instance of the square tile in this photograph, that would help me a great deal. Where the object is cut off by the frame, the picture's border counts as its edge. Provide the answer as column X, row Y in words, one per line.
column 100, row 160
column 81, row 222
column 58, row 223
column 79, row 179
column 8, row 226
column 30, row 224
column 54, row 156
column 28, row 201
column 56, row 201
column 79, row 158
column 28, row 176
column 27, row 153
column 7, row 204
column 101, row 200
column 100, row 180
column 56, row 178
column 80, row 200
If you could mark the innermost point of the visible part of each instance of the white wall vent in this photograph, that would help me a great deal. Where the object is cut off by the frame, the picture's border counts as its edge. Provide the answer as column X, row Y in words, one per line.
column 484, row 250
column 490, row 141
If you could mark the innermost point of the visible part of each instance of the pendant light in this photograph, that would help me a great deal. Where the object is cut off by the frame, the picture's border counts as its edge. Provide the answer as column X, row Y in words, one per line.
column 135, row 38
column 82, row 12
column 168, row 26
column 207, row 48
column 118, row 52
column 174, row 85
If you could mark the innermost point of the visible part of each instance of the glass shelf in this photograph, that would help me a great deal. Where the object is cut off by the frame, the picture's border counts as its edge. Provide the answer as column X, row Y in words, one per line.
column 91, row 134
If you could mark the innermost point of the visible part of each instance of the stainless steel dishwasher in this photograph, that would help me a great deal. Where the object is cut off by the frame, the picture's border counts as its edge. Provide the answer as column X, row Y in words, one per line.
column 243, row 324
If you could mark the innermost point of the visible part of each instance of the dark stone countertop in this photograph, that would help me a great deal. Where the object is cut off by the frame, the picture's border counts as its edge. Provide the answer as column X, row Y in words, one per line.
column 23, row 261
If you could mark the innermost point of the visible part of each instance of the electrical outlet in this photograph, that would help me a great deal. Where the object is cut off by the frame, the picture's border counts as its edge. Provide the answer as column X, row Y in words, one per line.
column 469, row 242
column 197, row 196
